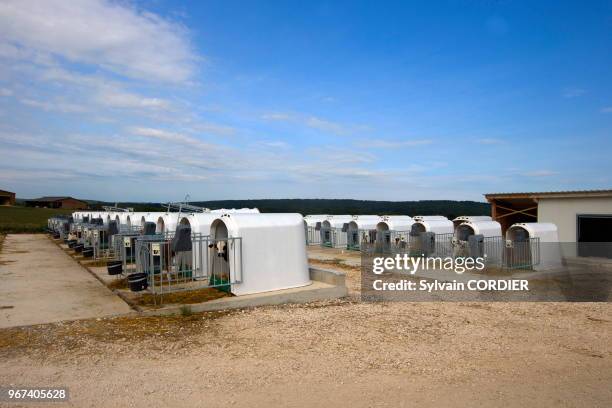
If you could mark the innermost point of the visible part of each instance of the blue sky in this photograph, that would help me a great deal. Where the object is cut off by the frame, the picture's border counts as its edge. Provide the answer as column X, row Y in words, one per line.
column 150, row 101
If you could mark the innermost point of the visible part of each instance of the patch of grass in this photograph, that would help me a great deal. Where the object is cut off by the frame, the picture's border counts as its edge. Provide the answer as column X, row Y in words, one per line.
column 89, row 334
column 337, row 262
column 185, row 297
column 16, row 219
column 186, row 311
column 118, row 284
column 94, row 263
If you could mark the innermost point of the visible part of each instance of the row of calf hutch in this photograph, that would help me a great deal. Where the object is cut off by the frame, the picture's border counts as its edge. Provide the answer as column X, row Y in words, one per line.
column 526, row 245
column 240, row 251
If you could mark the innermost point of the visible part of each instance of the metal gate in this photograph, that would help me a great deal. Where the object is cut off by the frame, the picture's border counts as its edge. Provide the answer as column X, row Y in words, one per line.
column 523, row 254
column 333, row 237
column 123, row 247
column 313, row 235
column 355, row 238
column 430, row 244
column 205, row 263
column 491, row 249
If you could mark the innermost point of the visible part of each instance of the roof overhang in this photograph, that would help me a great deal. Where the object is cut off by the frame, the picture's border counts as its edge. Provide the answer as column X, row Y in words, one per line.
column 531, row 197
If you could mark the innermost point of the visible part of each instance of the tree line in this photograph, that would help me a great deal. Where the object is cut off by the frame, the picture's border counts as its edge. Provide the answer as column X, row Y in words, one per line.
column 448, row 208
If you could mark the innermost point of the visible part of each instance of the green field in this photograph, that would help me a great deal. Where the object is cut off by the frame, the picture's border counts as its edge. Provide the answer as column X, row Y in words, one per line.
column 26, row 219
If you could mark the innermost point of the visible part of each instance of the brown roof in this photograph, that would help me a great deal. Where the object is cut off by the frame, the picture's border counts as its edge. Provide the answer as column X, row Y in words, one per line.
column 553, row 194
column 7, row 192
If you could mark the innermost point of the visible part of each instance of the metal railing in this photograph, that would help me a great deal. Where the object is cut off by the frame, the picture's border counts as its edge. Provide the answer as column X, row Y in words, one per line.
column 489, row 248
column 182, row 207
column 524, row 254
column 355, row 238
column 313, row 235
column 333, row 237
column 123, row 248
column 204, row 263
column 102, row 244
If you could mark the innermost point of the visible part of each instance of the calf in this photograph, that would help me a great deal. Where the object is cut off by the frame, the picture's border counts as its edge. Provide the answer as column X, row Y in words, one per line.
column 220, row 248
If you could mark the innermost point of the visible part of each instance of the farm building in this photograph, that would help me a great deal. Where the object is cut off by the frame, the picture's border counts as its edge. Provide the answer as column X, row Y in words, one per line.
column 7, row 197
column 57, row 202
column 580, row 216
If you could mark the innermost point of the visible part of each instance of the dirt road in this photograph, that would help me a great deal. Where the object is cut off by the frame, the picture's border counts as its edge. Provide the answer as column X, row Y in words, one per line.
column 41, row 284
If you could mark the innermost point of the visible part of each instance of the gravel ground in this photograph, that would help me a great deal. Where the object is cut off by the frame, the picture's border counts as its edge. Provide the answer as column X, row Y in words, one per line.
column 336, row 353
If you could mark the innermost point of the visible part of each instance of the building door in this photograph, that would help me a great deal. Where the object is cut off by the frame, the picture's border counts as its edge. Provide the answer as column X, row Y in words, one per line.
column 594, row 235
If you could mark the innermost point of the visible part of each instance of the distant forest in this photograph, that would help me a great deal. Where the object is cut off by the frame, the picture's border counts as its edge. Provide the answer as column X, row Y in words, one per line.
column 447, row 208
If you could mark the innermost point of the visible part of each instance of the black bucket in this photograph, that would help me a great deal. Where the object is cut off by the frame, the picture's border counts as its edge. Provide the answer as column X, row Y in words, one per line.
column 137, row 281
column 88, row 252
column 71, row 243
column 114, row 267
column 78, row 248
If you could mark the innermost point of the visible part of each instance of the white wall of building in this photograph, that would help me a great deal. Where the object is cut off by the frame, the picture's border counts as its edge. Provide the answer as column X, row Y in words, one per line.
column 563, row 212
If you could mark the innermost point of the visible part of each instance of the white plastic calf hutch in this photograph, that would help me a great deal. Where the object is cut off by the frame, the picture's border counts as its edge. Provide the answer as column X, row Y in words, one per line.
column 479, row 239
column 134, row 220
column 464, row 218
column 166, row 222
column 431, row 235
column 333, row 231
column 361, row 229
column 273, row 254
column 235, row 211
column 393, row 229
column 312, row 225
column 533, row 245
column 430, row 218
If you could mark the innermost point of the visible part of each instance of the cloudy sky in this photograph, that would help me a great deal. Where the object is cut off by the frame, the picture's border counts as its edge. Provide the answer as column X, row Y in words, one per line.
column 123, row 100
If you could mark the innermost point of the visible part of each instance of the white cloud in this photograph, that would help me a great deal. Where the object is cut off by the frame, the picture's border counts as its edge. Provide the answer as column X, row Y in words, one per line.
column 110, row 35
column 274, row 144
column 606, row 109
column 276, row 116
column 214, row 129
column 117, row 98
column 540, row 173
column 336, row 155
column 5, row 92
column 57, row 106
column 168, row 136
column 326, row 125
column 312, row 122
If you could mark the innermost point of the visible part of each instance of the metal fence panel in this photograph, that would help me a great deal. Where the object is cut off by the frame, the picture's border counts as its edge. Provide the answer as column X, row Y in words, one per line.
column 209, row 263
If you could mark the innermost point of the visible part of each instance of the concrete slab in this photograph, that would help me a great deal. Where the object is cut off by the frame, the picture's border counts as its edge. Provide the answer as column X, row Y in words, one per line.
column 326, row 284
column 344, row 256
column 42, row 284
column 102, row 273
column 316, row 291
